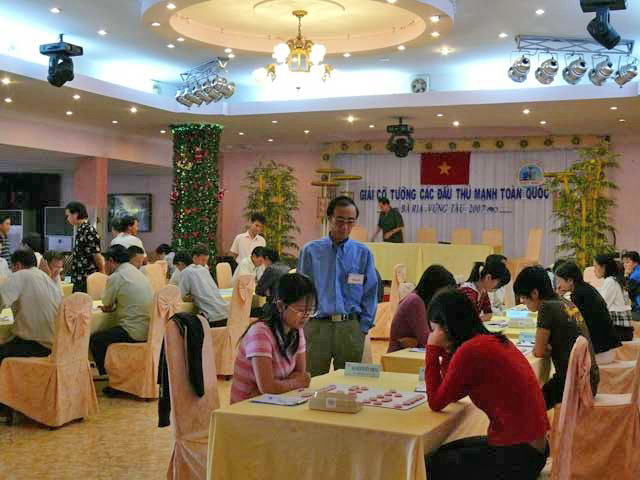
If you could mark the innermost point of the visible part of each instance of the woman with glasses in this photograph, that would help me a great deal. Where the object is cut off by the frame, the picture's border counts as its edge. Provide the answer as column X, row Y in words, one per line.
column 272, row 353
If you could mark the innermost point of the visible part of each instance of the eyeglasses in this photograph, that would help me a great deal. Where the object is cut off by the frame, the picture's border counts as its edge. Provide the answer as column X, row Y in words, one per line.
column 307, row 313
column 344, row 221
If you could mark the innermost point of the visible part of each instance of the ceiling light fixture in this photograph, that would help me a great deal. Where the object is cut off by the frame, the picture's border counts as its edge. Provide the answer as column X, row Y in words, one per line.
column 232, row 55
column 543, row 122
column 434, row 18
column 503, row 35
column 600, row 73
column 298, row 56
column 8, row 100
column 392, row 1
column 574, row 71
column 401, row 47
column 270, row 140
column 76, row 97
column 133, row 110
column 102, row 32
column 205, row 83
column 351, row 119
column 346, row 54
column 306, row 132
column 171, row 45
column 171, row 6
column 439, row 115
column 155, row 24
column 600, row 27
column 613, row 108
column 626, row 73
column 240, row 133
column 526, row 111
column 115, row 122
column 274, row 121
column 622, row 120
column 228, row 50
column 180, row 39
column 69, row 113
column 55, row 10
column 6, row 81
column 540, row 11
column 445, row 51
column 456, row 123
column 372, row 126
column 384, row 59
column 520, row 69
column 435, row 34
column 547, row 71
column 163, row 131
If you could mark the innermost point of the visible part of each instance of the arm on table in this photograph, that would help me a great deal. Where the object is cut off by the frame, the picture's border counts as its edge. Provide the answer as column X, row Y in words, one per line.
column 446, row 383
column 267, row 383
column 109, row 295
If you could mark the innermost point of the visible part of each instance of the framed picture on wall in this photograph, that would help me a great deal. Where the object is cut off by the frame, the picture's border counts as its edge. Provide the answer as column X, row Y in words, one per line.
column 137, row 204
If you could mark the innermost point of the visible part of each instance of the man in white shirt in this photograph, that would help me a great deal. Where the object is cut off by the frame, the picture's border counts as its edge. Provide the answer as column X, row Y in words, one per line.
column 129, row 294
column 128, row 227
column 181, row 261
column 196, row 282
column 4, row 268
column 250, row 265
column 136, row 256
column 244, row 243
column 35, row 300
column 52, row 265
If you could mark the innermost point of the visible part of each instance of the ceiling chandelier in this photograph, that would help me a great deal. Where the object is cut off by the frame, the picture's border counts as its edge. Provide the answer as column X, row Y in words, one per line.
column 298, row 56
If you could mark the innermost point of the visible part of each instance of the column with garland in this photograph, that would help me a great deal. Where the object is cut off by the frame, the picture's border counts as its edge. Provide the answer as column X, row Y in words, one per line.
column 196, row 189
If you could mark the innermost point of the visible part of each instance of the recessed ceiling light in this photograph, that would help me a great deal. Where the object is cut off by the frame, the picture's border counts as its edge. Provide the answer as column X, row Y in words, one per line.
column 440, row 115
column 270, row 140
column 6, row 81
column 445, row 51
column 102, row 32
column 610, row 108
column 435, row 34
column 163, row 131
column 503, row 35
column 232, row 55
column 622, row 120
column 543, row 122
column 133, row 110
column 180, row 39
column 228, row 50
column 540, row 11
column 115, row 122
column 306, row 132
column 456, row 123
column 526, row 111
column 384, row 59
column 171, row 6
column 76, row 97
column 55, row 10
column 346, row 55
column 155, row 24
column 274, row 121
column 401, row 47
column 240, row 133
column 8, row 100
column 434, row 18
column 171, row 45
column 69, row 113
column 392, row 1
column 351, row 119
column 372, row 126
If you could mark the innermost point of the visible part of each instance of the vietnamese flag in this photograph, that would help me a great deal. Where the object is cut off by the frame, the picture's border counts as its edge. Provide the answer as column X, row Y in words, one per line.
column 450, row 168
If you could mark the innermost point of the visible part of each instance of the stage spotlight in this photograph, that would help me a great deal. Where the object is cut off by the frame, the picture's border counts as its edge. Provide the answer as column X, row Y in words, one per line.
column 574, row 72
column 625, row 74
column 520, row 69
column 225, row 87
column 547, row 71
column 60, row 63
column 190, row 94
column 601, row 72
column 600, row 27
column 180, row 98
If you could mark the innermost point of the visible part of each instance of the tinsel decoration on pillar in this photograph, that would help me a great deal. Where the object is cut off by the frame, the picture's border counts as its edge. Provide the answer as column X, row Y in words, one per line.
column 196, row 191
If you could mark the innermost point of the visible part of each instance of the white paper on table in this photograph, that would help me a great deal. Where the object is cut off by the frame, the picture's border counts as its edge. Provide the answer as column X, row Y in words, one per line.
column 421, row 387
column 526, row 350
column 282, row 400
column 5, row 321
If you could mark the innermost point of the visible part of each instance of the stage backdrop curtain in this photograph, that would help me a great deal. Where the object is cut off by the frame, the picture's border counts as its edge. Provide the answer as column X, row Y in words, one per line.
column 487, row 170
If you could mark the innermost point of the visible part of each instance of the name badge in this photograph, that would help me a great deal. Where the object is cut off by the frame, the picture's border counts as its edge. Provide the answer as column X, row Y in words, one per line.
column 355, row 279
column 353, row 369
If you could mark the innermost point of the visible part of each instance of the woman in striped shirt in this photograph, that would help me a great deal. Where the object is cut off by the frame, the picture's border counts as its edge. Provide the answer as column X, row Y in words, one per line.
column 272, row 353
column 484, row 278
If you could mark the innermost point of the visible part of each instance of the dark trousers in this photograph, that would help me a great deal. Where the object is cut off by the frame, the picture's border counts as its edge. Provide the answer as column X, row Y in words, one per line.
column 473, row 457
column 338, row 341
column 625, row 334
column 552, row 391
column 22, row 348
column 99, row 343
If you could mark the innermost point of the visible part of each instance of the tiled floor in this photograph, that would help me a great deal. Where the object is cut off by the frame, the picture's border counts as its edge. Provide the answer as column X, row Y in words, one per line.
column 122, row 441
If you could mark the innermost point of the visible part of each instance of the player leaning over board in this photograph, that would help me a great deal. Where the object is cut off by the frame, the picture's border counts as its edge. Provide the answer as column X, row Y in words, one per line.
column 345, row 278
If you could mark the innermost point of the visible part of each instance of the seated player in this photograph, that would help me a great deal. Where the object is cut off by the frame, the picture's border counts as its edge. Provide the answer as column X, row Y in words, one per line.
column 164, row 252
column 52, row 265
column 497, row 296
column 459, row 352
column 559, row 325
column 409, row 327
column 612, row 291
column 631, row 262
column 4, row 268
column 129, row 294
column 35, row 300
column 593, row 309
column 249, row 265
column 137, row 256
column 274, row 270
column 197, row 283
column 271, row 356
column 484, row 278
column 33, row 243
column 181, row 261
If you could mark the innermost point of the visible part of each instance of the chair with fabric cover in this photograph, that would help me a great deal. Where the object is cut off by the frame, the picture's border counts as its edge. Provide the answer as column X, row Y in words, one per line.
column 595, row 437
column 493, row 238
column 461, row 236
column 617, row 377
column 532, row 254
column 225, row 339
column 156, row 275
column 629, row 350
column 359, row 234
column 190, row 414
column 96, row 283
column 57, row 389
column 223, row 275
column 165, row 266
column 589, row 276
column 386, row 310
column 427, row 235
column 133, row 367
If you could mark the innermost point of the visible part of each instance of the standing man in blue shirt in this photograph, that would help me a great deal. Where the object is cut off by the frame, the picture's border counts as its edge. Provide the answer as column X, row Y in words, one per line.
column 631, row 262
column 345, row 278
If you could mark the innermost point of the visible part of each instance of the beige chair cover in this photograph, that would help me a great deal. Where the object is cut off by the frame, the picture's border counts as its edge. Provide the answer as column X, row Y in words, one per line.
column 57, row 389
column 165, row 266
column 133, row 367
column 190, row 414
column 493, row 238
column 223, row 275
column 628, row 350
column 589, row 276
column 96, row 283
column 367, row 354
column 359, row 234
column 427, row 235
column 532, row 254
column 617, row 377
column 462, row 236
column 157, row 276
column 386, row 310
column 225, row 339
column 599, row 441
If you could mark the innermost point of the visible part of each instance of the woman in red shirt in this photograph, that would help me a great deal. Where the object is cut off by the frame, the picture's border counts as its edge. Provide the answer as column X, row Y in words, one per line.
column 464, row 359
column 484, row 278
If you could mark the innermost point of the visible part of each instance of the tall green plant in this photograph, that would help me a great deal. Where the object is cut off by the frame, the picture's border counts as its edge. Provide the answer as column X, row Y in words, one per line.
column 272, row 192
column 582, row 204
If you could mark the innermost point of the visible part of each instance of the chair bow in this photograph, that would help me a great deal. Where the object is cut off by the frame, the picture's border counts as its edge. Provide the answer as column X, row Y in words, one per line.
column 77, row 321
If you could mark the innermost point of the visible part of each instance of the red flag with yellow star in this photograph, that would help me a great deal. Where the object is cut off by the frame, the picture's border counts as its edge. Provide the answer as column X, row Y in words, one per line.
column 450, row 168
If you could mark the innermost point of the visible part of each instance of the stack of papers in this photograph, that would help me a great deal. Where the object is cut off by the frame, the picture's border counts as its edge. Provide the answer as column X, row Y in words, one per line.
column 282, row 400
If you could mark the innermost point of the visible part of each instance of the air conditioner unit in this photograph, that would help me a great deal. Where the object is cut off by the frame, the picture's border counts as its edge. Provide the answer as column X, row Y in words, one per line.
column 58, row 232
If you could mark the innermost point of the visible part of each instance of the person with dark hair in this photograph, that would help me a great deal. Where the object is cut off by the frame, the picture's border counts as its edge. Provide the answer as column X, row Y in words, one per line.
column 35, row 300
column 136, row 256
column 631, row 262
column 52, row 265
column 244, row 243
column 33, row 242
column 197, row 283
column 344, row 275
column 496, row 297
column 409, row 327
column 5, row 228
column 86, row 258
column 390, row 223
column 129, row 294
column 464, row 359
column 593, row 309
column 271, row 355
column 552, row 272
column 612, row 291
column 484, row 278
column 182, row 260
column 559, row 325
column 249, row 265
column 274, row 270
column 164, row 252
column 128, row 226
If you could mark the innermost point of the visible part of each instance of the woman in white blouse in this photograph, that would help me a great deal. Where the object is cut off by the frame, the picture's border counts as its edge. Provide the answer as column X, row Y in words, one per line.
column 612, row 291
